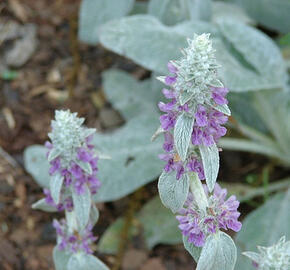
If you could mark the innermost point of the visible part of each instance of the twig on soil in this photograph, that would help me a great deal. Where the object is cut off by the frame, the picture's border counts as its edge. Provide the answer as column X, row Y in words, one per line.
column 9, row 158
column 134, row 202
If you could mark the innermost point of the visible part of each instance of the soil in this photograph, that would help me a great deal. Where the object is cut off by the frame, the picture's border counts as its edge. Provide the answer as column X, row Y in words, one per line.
column 65, row 73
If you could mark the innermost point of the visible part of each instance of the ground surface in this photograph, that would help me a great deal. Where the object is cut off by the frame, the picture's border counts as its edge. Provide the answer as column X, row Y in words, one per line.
column 59, row 66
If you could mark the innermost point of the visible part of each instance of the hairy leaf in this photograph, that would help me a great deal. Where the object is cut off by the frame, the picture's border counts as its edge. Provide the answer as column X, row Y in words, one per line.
column 134, row 160
column 274, row 14
column 210, row 161
column 182, row 134
column 219, row 252
column 258, row 51
column 171, row 12
column 82, row 206
column 83, row 261
column 128, row 96
column 94, row 13
column 42, row 205
column 193, row 250
column 36, row 164
column 56, row 182
column 161, row 228
column 173, row 192
column 60, row 259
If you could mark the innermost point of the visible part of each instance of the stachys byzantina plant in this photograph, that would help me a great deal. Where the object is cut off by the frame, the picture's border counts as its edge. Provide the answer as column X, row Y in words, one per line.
column 192, row 124
column 73, row 180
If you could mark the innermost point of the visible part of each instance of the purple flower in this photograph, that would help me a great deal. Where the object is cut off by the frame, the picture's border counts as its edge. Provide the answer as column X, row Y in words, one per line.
column 169, row 80
column 84, row 155
column 167, row 107
column 201, row 116
column 172, row 69
column 221, row 214
column 207, row 128
column 74, row 175
column 55, row 166
column 168, row 120
column 168, row 142
column 218, row 95
column 194, row 165
column 74, row 243
column 67, row 203
column 178, row 166
column 169, row 93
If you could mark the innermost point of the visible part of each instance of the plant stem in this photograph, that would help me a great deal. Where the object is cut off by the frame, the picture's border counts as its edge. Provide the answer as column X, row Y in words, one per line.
column 198, row 191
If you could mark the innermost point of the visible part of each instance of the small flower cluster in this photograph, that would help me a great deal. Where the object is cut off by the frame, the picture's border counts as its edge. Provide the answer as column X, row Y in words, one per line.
column 71, row 155
column 274, row 257
column 65, row 204
column 73, row 242
column 195, row 91
column 221, row 214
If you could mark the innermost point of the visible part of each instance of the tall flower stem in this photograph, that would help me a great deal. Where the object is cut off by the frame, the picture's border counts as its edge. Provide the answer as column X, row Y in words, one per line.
column 197, row 190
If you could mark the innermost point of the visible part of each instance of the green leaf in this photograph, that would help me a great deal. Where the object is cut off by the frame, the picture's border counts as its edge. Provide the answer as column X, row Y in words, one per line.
column 55, row 185
column 182, row 134
column 173, row 192
column 94, row 13
column 82, row 261
column 222, row 108
column 42, row 205
column 264, row 226
column 274, row 109
column 128, row 96
column 35, row 163
column 210, row 161
column 250, row 117
column 229, row 10
column 274, row 14
column 86, row 166
column 219, row 252
column 193, row 250
column 139, row 8
column 60, row 259
column 82, row 206
column 54, row 153
column 248, row 146
column 157, row 229
column 156, row 44
column 110, row 240
column 134, row 160
column 171, row 12
column 94, row 215
column 161, row 228
column 152, row 47
column 257, row 50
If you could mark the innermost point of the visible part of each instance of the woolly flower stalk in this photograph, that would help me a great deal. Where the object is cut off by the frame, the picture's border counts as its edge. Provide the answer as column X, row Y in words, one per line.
column 221, row 214
column 194, row 92
column 73, row 181
column 73, row 162
column 276, row 257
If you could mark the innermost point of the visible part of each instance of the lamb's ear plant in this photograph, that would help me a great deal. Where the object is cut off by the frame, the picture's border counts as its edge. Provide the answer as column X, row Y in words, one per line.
column 73, row 180
column 276, row 256
column 273, row 111
column 192, row 125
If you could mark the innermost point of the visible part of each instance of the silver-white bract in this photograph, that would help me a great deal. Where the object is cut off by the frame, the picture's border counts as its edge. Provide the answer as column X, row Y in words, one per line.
column 67, row 136
column 197, row 69
column 276, row 257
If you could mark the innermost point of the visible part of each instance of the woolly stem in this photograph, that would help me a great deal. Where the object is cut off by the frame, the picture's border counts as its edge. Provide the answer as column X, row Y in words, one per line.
column 197, row 190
